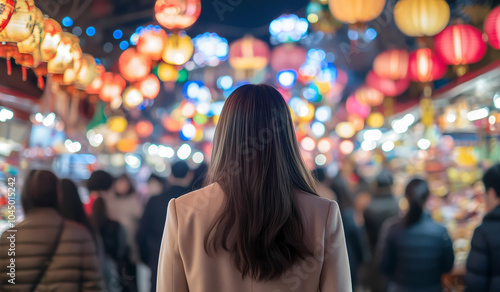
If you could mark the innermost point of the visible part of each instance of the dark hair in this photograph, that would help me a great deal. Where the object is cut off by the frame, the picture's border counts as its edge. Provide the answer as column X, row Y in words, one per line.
column 345, row 197
column 99, row 213
column 385, row 179
column 100, row 180
column 41, row 190
column 416, row 192
column 180, row 169
column 319, row 174
column 257, row 163
column 131, row 188
column 491, row 179
column 199, row 176
column 157, row 178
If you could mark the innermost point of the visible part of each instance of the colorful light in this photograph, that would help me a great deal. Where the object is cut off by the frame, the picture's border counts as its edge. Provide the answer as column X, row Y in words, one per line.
column 392, row 64
column 178, row 50
column 460, row 44
column 150, row 86
column 356, row 11
column 369, row 96
column 288, row 28
column 211, row 48
column 286, row 78
column 421, row 17
column 288, row 57
column 346, row 147
column 112, row 87
column 144, row 128
column 492, row 28
column 249, row 53
column 345, row 130
column 132, row 97
column 388, row 87
column 354, row 107
column 177, row 14
column 133, row 65
column 152, row 42
column 425, row 66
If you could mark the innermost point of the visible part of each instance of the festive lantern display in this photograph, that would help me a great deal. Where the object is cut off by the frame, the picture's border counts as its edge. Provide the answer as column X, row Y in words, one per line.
column 178, row 50
column 152, row 43
column 87, row 73
column 21, row 22
column 288, row 56
column 388, row 87
column 392, row 64
column 134, row 66
column 112, row 86
column 6, row 12
column 132, row 97
column 460, row 44
column 375, row 120
column 425, row 66
column 150, row 86
column 51, row 39
column 67, row 49
column 167, row 72
column 320, row 18
column 249, row 53
column 356, row 11
column 177, row 14
column 369, row 96
column 97, row 83
column 492, row 28
column 144, row 128
column 354, row 107
column 32, row 43
column 421, row 17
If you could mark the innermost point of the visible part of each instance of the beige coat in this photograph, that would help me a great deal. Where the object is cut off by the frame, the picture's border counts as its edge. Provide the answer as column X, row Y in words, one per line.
column 184, row 265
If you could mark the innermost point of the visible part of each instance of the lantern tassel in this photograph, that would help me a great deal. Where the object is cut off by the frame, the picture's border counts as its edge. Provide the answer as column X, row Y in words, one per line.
column 24, row 73
column 9, row 67
column 41, row 82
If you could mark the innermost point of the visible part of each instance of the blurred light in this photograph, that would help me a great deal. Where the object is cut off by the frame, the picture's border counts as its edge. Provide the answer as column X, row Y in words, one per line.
column 478, row 114
column 401, row 126
column 225, row 82
column 312, row 18
column 370, row 34
column 153, row 149
column 330, row 57
column 424, row 144
column 388, row 146
column 184, row 151
column 108, row 47
column 190, row 65
column 372, row 135
column 287, row 78
column 49, row 120
column 451, row 118
column 345, row 130
column 346, row 147
column 323, row 113
column 72, row 147
column 308, row 144
column 288, row 28
column 132, row 160
column 352, row 35
column 94, row 138
column 118, row 34
column 368, row 145
column 198, row 157
column 39, row 117
column 160, row 166
column 77, row 31
column 90, row 31
column 210, row 49
column 324, row 145
column 134, row 38
column 496, row 100
column 318, row 129
column 124, row 45
column 6, row 114
column 98, row 61
column 320, row 159
column 165, row 151
column 492, row 120
column 67, row 21
column 188, row 131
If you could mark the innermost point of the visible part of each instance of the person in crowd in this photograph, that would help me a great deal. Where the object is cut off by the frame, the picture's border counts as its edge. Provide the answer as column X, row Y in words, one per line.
column 483, row 269
column 323, row 190
column 257, row 225
column 150, row 230
column 415, row 251
column 51, row 253
column 99, row 185
column 156, row 185
column 114, row 241
column 199, row 176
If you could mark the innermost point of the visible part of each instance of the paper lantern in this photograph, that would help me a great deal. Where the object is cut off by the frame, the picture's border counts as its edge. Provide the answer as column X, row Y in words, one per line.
column 177, row 14
column 134, row 66
column 460, row 44
column 117, row 124
column 356, row 11
column 32, row 43
column 21, row 22
column 388, row 87
column 87, row 73
column 150, row 87
column 288, row 56
column 178, row 50
column 96, row 84
column 112, row 86
column 375, row 120
column 345, row 130
column 392, row 64
column 144, row 128
column 249, row 53
column 167, row 72
column 132, row 97
column 425, row 66
column 6, row 12
column 354, row 107
column 152, row 43
column 369, row 96
column 51, row 39
column 421, row 17
column 7, row 51
column 67, row 50
column 492, row 28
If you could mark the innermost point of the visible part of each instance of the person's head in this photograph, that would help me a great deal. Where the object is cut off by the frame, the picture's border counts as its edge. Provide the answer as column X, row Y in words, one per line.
column 491, row 180
column 320, row 174
column 181, row 174
column 385, row 179
column 345, row 197
column 41, row 190
column 156, row 184
column 100, row 182
column 123, row 186
column 256, row 161
column 417, row 192
column 99, row 213
column 71, row 206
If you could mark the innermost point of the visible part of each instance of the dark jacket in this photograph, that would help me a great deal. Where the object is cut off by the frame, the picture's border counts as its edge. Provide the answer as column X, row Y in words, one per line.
column 74, row 266
column 151, row 227
column 414, row 258
column 483, row 264
column 382, row 207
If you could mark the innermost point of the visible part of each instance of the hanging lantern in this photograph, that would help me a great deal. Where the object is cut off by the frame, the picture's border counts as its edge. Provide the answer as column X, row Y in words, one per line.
column 134, row 66
column 29, row 50
column 288, row 56
column 21, row 22
column 492, row 28
column 392, row 64
column 132, row 97
column 460, row 44
column 425, row 66
column 356, row 11
column 152, row 43
column 112, row 87
column 96, row 84
column 417, row 18
column 167, row 72
column 6, row 12
column 88, row 72
column 388, row 87
column 178, row 50
column 150, row 87
column 177, row 14
column 369, row 96
column 249, row 53
column 7, row 51
column 51, row 39
column 71, row 73
column 320, row 18
column 67, row 50
column 144, row 128
column 354, row 107
column 375, row 120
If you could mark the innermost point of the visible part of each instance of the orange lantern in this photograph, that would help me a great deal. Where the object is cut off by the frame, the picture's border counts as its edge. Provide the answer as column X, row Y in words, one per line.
column 356, row 11
column 21, row 22
column 150, row 86
column 152, row 43
column 178, row 50
column 112, row 86
column 421, row 17
column 51, row 39
column 177, row 14
column 88, row 72
column 96, row 84
column 288, row 56
column 392, row 64
column 67, row 50
column 249, row 53
column 144, row 128
column 369, row 96
column 8, row 7
column 425, row 66
column 133, row 65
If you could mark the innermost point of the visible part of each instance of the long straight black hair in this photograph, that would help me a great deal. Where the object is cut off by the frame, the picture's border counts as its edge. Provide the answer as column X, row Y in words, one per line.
column 416, row 192
column 256, row 161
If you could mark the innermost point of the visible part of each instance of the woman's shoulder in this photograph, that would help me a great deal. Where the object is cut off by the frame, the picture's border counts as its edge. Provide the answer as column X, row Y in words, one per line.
column 316, row 205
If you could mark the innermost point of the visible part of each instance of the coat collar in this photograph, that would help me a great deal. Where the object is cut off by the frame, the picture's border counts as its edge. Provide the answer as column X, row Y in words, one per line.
column 493, row 215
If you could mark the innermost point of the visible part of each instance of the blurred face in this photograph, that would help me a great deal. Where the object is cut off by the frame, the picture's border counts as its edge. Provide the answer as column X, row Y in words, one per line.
column 122, row 186
column 491, row 200
column 362, row 201
column 154, row 187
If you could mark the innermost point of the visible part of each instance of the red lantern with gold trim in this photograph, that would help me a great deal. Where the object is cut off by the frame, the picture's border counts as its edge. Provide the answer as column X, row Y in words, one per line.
column 460, row 44
column 6, row 12
column 249, row 53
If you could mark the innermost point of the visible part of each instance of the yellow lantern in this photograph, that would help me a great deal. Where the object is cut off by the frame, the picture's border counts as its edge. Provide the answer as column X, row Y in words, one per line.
column 178, row 50
column 356, row 11
column 32, row 43
column 51, row 39
column 88, row 72
column 421, row 17
column 167, row 72
column 132, row 97
column 67, row 50
column 8, row 7
column 21, row 23
column 375, row 120
column 117, row 124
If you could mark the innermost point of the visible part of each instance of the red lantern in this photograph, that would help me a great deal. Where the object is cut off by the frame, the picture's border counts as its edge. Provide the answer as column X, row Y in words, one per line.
column 392, row 64
column 134, row 66
column 425, row 66
column 355, row 108
column 177, row 14
column 288, row 56
column 151, row 43
column 144, row 128
column 492, row 28
column 112, row 87
column 388, row 87
column 96, row 84
column 460, row 44
column 369, row 96
column 249, row 53
column 150, row 86
column 6, row 12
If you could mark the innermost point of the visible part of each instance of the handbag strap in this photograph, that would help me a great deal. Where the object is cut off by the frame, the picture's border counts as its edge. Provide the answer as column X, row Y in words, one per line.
column 46, row 263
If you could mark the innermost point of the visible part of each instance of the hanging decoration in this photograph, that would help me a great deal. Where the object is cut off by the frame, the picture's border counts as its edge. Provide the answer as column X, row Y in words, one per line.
column 112, row 86
column 392, row 64
column 51, row 39
column 149, row 87
column 418, row 18
column 177, row 14
column 369, row 96
column 492, row 28
column 249, row 53
column 178, row 50
column 66, row 50
column 133, row 65
column 460, row 44
column 288, row 56
column 152, row 42
column 356, row 11
column 354, row 107
column 6, row 11
column 388, row 87
column 425, row 66
column 21, row 22
column 87, row 73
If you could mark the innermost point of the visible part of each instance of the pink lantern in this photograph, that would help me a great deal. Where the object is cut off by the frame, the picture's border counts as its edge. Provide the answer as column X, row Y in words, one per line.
column 355, row 108
column 288, row 56
column 387, row 86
